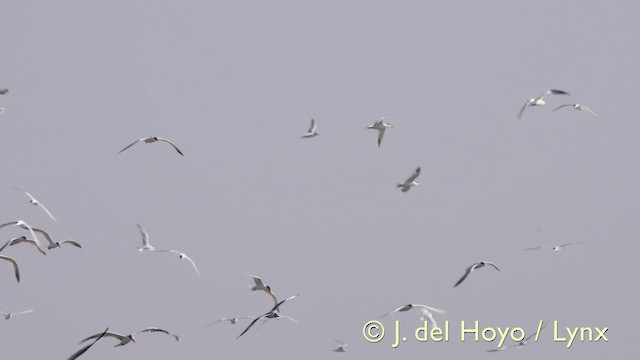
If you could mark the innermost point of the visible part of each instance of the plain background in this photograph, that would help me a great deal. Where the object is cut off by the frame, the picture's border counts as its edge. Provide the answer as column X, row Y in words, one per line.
column 234, row 84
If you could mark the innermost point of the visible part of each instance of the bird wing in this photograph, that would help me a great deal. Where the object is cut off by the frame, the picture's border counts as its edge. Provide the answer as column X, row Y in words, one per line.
column 491, row 264
column 172, row 144
column 192, row 263
column 145, row 236
column 557, row 92
column 380, row 134
column 130, row 145
column 23, row 312
column 15, row 266
column 47, row 211
column 84, row 349
column 392, row 311
column 312, row 128
column 572, row 243
column 106, row 333
column 23, row 240
column 590, row 111
column 152, row 329
column 428, row 308
column 252, row 323
column 533, row 248
column 72, row 242
column 46, row 236
column 522, row 109
column 561, row 106
column 466, row 273
column 413, row 176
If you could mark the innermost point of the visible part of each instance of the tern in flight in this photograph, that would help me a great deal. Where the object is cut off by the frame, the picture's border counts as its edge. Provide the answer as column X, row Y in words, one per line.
column 35, row 202
column 182, row 256
column 125, row 339
column 84, row 349
column 412, row 306
column 555, row 248
column 15, row 265
column 342, row 346
column 539, row 101
column 381, row 126
column 152, row 139
column 271, row 314
column 22, row 224
column 146, row 246
column 56, row 244
column 232, row 320
column 470, row 269
column 259, row 285
column 8, row 316
column 577, row 107
column 410, row 182
column 19, row 240
column 521, row 343
column 312, row 130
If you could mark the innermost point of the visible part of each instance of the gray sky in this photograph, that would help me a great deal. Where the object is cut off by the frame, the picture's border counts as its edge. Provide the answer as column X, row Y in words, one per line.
column 234, row 84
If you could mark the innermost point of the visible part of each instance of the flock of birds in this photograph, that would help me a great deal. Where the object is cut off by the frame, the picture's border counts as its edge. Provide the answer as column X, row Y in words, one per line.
column 426, row 312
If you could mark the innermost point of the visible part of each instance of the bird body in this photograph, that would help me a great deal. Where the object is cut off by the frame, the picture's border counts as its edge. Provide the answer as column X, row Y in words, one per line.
column 381, row 126
column 312, row 130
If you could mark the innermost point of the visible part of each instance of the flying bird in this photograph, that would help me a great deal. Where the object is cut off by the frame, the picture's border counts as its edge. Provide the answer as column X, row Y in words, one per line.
column 519, row 344
column 8, row 316
column 20, row 240
column 271, row 314
column 539, row 101
column 22, row 224
column 555, row 248
column 15, row 265
column 35, row 202
column 259, row 285
column 182, row 256
column 410, row 182
column 342, row 346
column 470, row 269
column 55, row 244
column 84, row 349
column 146, row 246
column 125, row 339
column 152, row 139
column 381, row 126
column 412, row 306
column 428, row 316
column 232, row 320
column 577, row 107
column 312, row 130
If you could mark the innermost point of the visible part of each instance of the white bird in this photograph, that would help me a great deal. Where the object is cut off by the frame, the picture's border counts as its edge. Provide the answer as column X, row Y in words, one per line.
column 22, row 224
column 232, row 320
column 182, row 256
column 84, row 349
column 152, row 139
column 8, row 316
column 15, row 265
column 125, row 339
column 259, row 285
column 56, row 244
column 539, row 101
column 412, row 306
column 555, row 248
column 577, row 107
column 519, row 344
column 146, row 246
column 410, row 182
column 312, row 130
column 428, row 316
column 35, row 202
column 271, row 314
column 477, row 265
column 381, row 126
column 342, row 346
column 20, row 240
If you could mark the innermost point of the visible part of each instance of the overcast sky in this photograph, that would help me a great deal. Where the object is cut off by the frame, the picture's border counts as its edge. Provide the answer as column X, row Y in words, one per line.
column 234, row 85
